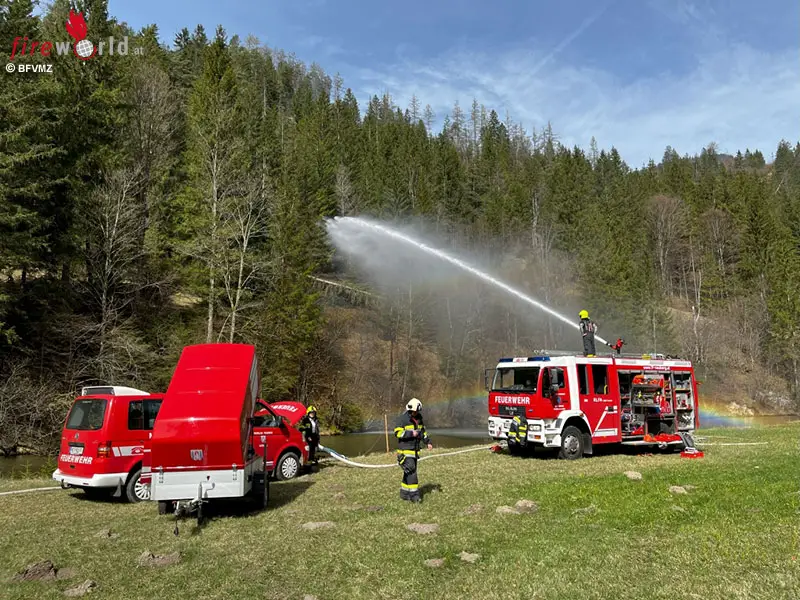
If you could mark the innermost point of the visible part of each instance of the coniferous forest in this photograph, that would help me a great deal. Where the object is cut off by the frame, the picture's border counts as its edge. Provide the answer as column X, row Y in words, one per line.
column 179, row 197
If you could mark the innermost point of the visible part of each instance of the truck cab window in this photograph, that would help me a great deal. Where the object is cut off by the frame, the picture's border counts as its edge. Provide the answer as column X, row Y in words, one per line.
column 600, row 379
column 522, row 379
column 583, row 380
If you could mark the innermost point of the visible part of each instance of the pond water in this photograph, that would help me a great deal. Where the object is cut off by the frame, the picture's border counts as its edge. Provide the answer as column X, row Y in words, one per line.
column 359, row 444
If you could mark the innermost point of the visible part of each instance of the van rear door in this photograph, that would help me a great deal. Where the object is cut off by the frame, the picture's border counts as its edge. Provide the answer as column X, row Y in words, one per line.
column 83, row 440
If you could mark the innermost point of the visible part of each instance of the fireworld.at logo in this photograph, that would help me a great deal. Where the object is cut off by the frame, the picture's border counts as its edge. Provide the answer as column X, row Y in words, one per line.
column 82, row 47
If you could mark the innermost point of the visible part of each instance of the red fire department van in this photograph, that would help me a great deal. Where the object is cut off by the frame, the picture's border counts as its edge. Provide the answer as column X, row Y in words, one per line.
column 202, row 447
column 104, row 440
column 573, row 402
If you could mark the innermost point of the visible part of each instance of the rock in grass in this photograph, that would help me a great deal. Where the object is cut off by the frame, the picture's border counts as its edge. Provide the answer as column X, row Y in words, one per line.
column 148, row 559
column 633, row 475
column 423, row 528
column 689, row 488
column 339, row 496
column 526, row 506
column 589, row 510
column 318, row 525
column 676, row 489
column 506, row 510
column 677, row 508
column 434, row 563
column 80, row 590
column 467, row 557
column 43, row 570
column 106, row 534
column 307, row 597
column 473, row 509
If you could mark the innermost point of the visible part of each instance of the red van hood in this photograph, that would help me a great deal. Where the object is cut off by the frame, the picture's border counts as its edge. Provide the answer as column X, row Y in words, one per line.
column 292, row 411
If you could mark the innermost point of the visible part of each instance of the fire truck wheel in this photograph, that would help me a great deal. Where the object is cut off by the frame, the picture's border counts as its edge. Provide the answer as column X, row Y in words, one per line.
column 135, row 491
column 288, row 466
column 571, row 443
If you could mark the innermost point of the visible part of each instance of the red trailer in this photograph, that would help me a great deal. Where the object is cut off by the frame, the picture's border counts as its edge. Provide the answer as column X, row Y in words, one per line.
column 202, row 446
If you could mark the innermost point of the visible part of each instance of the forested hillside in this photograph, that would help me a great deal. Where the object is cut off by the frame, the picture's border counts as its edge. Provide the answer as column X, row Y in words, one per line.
column 150, row 202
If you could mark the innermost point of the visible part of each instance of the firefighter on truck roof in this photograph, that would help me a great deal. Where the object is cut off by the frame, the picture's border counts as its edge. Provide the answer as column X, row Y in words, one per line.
column 410, row 431
column 588, row 329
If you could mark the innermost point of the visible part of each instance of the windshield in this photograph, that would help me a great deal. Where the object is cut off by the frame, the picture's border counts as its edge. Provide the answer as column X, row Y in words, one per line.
column 521, row 379
column 87, row 414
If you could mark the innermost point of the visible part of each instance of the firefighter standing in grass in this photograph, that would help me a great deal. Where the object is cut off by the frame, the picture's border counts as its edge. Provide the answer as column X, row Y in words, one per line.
column 410, row 431
column 309, row 425
column 588, row 329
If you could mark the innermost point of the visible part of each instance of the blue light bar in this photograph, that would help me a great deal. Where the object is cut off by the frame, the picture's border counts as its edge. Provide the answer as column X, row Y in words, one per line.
column 538, row 358
column 506, row 360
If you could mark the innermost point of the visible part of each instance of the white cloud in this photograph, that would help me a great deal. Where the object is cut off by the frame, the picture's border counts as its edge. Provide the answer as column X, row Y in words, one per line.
column 736, row 96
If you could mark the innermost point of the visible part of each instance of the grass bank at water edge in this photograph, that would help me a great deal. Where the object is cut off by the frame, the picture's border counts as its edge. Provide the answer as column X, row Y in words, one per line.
column 593, row 533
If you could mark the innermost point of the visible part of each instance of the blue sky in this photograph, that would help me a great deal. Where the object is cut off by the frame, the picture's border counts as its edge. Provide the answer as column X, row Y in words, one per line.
column 637, row 74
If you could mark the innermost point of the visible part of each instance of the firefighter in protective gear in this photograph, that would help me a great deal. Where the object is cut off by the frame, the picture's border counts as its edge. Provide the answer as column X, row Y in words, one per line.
column 518, row 433
column 309, row 425
column 588, row 329
column 410, row 432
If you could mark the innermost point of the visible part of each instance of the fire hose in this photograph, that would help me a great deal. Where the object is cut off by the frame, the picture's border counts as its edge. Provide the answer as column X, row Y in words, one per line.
column 333, row 454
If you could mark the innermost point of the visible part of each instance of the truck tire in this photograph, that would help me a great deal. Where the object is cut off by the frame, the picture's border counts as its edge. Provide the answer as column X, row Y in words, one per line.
column 571, row 443
column 135, row 491
column 288, row 466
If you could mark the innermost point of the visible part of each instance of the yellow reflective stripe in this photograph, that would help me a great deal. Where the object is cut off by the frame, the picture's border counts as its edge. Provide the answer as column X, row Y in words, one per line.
column 407, row 452
column 410, row 426
column 399, row 431
column 409, row 486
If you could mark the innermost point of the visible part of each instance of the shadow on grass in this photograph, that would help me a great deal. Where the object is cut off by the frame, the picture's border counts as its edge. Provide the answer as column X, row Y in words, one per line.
column 427, row 488
column 598, row 450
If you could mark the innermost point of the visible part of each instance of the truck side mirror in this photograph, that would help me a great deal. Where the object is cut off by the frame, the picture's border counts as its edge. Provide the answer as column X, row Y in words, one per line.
column 486, row 378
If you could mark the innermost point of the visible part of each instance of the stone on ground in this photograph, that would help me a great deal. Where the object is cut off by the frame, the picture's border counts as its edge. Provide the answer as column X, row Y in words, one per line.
column 423, row 528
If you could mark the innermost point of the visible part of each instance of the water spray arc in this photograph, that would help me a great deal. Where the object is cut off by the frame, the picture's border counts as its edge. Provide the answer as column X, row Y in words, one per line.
column 388, row 231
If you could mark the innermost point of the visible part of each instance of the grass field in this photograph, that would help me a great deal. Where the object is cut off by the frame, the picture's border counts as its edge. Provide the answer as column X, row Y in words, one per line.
column 596, row 534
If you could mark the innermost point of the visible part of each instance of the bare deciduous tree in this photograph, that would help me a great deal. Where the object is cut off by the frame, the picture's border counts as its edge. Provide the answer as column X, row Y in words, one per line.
column 244, row 222
column 666, row 216
column 113, row 219
column 152, row 126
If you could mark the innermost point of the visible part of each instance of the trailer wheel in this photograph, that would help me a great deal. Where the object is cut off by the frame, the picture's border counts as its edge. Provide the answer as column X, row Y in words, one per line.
column 135, row 490
column 571, row 443
column 164, row 507
column 288, row 466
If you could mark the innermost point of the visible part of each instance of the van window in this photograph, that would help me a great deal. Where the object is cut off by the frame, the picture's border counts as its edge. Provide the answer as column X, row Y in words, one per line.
column 266, row 420
column 142, row 414
column 583, row 380
column 600, row 378
column 87, row 415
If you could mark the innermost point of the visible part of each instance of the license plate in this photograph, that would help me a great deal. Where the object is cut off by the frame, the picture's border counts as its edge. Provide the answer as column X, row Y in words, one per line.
column 76, row 450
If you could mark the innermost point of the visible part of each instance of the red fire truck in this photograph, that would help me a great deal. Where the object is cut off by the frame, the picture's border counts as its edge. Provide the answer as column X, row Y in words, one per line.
column 572, row 402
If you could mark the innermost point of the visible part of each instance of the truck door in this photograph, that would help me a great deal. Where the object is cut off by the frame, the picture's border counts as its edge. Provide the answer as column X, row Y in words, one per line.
column 601, row 405
column 267, row 430
column 555, row 387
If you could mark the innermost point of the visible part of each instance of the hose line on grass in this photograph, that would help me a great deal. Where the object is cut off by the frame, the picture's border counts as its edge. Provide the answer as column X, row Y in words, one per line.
column 347, row 461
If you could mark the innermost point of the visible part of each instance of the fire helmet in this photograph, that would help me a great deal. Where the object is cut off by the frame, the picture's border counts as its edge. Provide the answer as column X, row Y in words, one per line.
column 583, row 314
column 414, row 404
column 311, row 409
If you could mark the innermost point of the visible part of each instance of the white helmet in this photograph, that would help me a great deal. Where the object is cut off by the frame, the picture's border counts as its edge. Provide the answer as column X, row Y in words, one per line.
column 413, row 404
